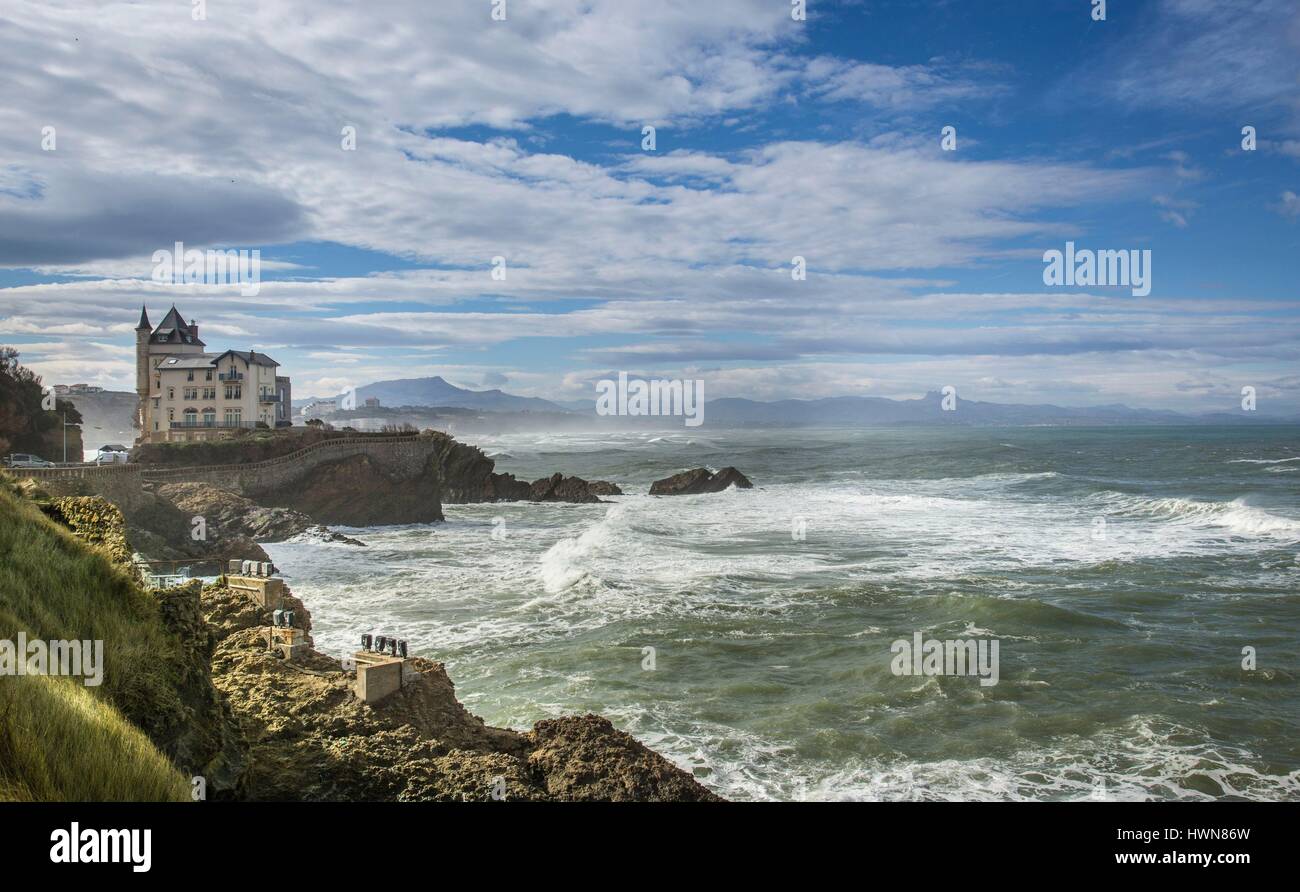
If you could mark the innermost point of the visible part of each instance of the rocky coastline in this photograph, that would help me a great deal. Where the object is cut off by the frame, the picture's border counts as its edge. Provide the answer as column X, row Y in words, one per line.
column 220, row 705
column 355, row 490
column 255, row 726
column 308, row 737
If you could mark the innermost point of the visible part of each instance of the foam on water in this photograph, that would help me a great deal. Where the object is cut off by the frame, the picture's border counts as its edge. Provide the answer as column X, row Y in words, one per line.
column 1235, row 515
column 772, row 610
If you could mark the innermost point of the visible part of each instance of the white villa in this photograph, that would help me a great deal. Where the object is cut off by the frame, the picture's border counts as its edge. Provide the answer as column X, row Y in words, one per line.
column 187, row 393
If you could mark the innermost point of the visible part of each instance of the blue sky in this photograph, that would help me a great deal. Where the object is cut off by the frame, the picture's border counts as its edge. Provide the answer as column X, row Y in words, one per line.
column 775, row 138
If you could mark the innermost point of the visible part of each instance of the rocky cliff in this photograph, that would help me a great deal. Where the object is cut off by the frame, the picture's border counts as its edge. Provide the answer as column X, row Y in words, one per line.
column 220, row 512
column 309, row 738
column 215, row 702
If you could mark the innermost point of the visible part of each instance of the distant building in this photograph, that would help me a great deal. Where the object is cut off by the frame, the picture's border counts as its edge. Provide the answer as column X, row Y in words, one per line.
column 66, row 389
column 284, row 408
column 186, row 393
column 372, row 402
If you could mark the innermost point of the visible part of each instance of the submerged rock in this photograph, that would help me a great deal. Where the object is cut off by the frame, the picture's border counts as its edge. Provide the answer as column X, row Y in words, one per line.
column 700, row 480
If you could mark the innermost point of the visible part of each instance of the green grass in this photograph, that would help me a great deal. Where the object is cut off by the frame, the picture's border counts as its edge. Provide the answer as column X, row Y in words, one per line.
column 61, row 740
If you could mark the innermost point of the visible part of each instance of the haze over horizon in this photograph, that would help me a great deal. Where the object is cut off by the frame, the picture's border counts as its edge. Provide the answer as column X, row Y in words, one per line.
column 523, row 139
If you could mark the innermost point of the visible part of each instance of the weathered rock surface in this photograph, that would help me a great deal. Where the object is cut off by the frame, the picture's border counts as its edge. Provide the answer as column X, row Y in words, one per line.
column 405, row 480
column 227, row 612
column 699, row 480
column 232, row 514
column 469, row 476
column 220, row 705
column 584, row 758
column 309, row 738
column 155, row 527
column 558, row 488
column 361, row 491
column 195, row 728
column 94, row 520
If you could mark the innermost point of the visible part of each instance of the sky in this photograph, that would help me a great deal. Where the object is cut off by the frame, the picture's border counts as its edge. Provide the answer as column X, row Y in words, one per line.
column 223, row 124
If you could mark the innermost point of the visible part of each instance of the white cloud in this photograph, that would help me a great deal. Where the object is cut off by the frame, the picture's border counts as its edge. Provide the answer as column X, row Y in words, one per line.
column 1289, row 205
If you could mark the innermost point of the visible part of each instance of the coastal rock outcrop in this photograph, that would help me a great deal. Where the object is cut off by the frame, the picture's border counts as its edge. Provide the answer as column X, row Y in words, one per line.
column 155, row 527
column 700, row 480
column 295, row 491
column 192, row 689
column 469, row 476
column 585, row 758
column 94, row 520
column 361, row 491
column 194, row 726
column 231, row 513
column 558, row 488
column 311, row 739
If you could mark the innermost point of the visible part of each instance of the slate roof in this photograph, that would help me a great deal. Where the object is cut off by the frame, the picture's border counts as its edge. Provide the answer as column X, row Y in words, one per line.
column 252, row 357
column 172, row 330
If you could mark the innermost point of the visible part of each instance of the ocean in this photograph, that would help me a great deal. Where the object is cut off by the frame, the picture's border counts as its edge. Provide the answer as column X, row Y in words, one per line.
column 1122, row 571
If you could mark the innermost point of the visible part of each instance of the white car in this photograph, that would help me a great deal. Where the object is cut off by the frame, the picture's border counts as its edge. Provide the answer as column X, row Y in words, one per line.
column 23, row 460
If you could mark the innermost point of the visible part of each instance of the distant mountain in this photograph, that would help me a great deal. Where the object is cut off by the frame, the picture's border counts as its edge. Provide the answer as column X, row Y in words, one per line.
column 840, row 411
column 869, row 411
column 437, row 392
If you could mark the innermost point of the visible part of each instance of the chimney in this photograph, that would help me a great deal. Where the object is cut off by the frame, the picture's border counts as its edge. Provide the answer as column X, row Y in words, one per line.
column 194, row 328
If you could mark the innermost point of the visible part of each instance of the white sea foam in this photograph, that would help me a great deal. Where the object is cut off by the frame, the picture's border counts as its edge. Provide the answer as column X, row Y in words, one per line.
column 1236, row 516
column 1138, row 761
column 688, row 572
column 570, row 561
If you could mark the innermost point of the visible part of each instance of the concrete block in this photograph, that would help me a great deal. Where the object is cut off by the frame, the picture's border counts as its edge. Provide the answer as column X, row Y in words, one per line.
column 268, row 593
column 291, row 643
column 375, row 681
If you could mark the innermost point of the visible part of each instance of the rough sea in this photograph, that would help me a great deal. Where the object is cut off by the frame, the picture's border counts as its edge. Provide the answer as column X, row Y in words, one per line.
column 1126, row 573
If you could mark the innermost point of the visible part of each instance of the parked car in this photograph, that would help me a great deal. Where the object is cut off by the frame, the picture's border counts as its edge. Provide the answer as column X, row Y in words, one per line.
column 23, row 460
column 112, row 454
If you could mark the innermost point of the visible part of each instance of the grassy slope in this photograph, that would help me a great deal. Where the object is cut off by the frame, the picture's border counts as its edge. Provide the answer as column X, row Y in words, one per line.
column 61, row 740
